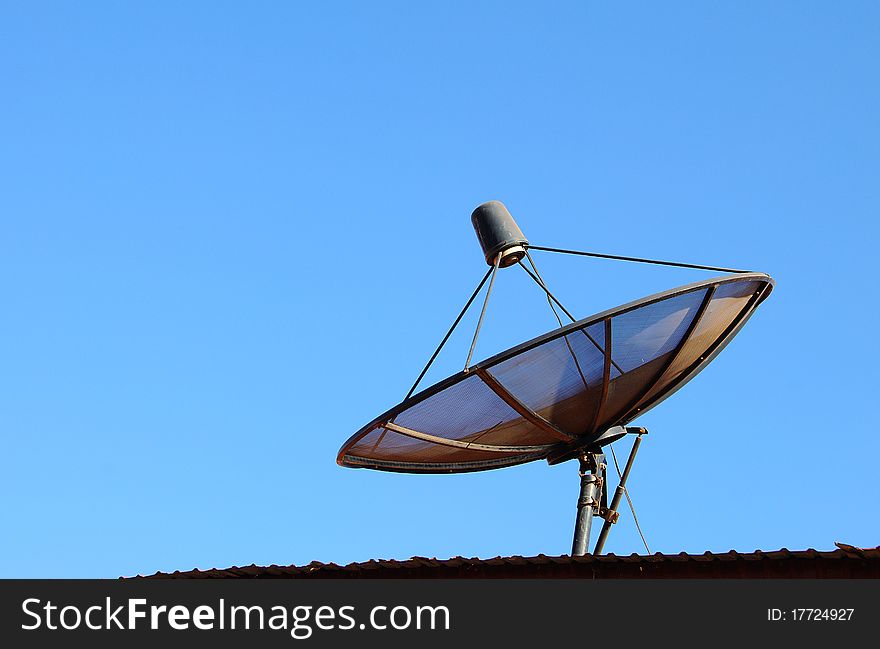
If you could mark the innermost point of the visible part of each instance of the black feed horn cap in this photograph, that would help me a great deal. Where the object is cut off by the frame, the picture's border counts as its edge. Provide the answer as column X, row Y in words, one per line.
column 498, row 233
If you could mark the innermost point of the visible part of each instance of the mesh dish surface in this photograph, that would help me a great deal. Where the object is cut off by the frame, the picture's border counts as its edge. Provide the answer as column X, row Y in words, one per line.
column 561, row 390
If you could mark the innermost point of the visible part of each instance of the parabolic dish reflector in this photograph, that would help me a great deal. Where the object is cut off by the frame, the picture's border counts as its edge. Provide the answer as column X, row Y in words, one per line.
column 563, row 390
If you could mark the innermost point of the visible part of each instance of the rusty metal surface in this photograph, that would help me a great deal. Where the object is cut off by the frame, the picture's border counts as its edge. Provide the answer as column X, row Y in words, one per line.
column 640, row 388
column 847, row 562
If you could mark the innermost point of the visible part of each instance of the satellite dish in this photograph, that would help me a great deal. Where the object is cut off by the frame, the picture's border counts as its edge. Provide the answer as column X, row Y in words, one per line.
column 563, row 395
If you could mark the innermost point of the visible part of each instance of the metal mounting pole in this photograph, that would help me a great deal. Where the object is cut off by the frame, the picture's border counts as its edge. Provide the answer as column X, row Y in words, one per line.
column 592, row 472
column 611, row 515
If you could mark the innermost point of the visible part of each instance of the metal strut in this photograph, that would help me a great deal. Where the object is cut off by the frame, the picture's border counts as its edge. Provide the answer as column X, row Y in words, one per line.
column 494, row 272
column 536, row 277
column 611, row 515
column 448, row 334
column 550, row 295
column 640, row 260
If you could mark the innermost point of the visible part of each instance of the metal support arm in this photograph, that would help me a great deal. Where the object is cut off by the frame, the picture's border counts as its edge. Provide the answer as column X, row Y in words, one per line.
column 611, row 515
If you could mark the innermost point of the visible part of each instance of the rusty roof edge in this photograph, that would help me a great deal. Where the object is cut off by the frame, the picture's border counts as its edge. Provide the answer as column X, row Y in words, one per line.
column 419, row 563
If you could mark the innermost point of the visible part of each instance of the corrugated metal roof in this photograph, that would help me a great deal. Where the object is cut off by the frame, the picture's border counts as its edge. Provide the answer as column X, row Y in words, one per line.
column 845, row 562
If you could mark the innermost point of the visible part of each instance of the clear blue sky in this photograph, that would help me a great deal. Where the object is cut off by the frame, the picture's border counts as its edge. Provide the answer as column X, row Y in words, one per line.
column 232, row 233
